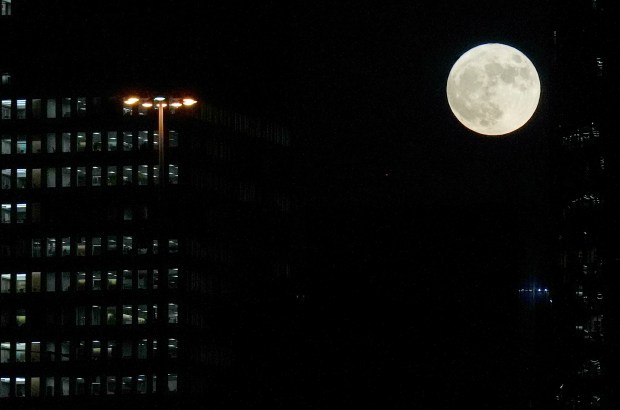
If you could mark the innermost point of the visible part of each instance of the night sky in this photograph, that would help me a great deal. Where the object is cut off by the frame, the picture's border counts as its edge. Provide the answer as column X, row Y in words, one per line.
column 419, row 232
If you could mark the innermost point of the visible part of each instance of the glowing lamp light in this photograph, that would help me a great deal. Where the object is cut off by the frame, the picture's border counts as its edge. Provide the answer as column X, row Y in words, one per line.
column 176, row 104
column 159, row 98
column 189, row 101
column 131, row 100
column 147, row 104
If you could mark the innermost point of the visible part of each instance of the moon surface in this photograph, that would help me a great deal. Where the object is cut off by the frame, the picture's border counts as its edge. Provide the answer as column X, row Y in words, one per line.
column 493, row 89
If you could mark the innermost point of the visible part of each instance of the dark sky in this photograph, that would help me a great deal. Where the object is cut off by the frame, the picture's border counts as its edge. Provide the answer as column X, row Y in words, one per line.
column 419, row 231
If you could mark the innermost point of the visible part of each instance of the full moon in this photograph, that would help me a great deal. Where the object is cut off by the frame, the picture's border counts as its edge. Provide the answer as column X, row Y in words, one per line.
column 493, row 89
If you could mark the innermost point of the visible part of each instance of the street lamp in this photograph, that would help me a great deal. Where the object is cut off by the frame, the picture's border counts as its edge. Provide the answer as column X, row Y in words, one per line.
column 159, row 103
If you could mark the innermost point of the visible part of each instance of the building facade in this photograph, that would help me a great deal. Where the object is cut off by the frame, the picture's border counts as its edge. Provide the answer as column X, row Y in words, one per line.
column 586, row 157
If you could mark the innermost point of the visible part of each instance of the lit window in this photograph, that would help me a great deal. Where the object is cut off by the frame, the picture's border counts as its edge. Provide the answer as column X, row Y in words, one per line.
column 35, row 351
column 20, row 387
column 173, row 138
column 66, row 142
column 65, row 281
column 112, row 175
column 51, row 281
column 127, row 244
column 6, row 178
column 35, row 281
column 6, row 109
column 111, row 243
column 111, row 278
column 173, row 174
column 5, row 352
column 5, row 283
column 6, row 213
column 36, row 108
column 172, row 382
column 81, row 246
column 126, row 387
column 155, row 174
column 143, row 140
column 96, row 141
column 81, row 176
column 21, row 144
column 66, row 107
column 66, row 177
column 173, row 245
column 20, row 317
column 142, row 314
column 35, row 143
column 6, row 144
column 21, row 213
column 173, row 278
column 127, row 175
column 143, row 177
column 81, row 106
column 5, row 77
column 127, row 315
column 111, row 315
column 81, row 280
column 173, row 313
column 51, row 108
column 21, row 109
column 141, row 385
column 81, row 141
column 21, row 178
column 95, row 354
column 127, row 141
column 20, row 282
column 64, row 381
column 66, row 246
column 172, row 348
column 20, row 352
column 96, row 284
column 112, row 141
column 51, row 177
column 49, row 386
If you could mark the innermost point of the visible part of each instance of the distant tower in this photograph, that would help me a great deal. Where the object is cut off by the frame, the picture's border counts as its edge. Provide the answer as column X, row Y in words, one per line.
column 586, row 162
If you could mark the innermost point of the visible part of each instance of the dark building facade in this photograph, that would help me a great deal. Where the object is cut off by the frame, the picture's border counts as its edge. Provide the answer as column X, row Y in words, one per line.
column 127, row 276
column 586, row 153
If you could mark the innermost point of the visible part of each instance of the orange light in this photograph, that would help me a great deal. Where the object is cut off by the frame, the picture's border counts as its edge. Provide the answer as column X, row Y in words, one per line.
column 163, row 105
column 131, row 100
column 189, row 101
column 175, row 104
column 147, row 104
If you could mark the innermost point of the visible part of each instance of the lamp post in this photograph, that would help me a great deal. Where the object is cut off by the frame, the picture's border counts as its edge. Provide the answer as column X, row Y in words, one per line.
column 159, row 103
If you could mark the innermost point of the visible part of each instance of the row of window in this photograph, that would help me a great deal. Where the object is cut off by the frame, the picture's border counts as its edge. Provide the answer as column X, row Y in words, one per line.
column 94, row 176
column 43, row 108
column 36, row 386
column 83, row 141
column 97, row 245
column 35, row 351
column 126, row 279
column 5, row 10
column 93, row 315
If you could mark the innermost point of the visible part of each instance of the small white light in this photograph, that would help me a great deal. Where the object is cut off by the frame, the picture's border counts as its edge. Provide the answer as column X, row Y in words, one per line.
column 159, row 98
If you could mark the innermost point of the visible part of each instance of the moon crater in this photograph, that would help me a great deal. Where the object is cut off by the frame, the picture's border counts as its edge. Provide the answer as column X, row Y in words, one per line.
column 493, row 89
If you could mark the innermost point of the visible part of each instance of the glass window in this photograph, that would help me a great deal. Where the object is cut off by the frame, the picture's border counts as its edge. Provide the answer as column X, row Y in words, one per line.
column 21, row 109
column 36, row 144
column 112, row 141
column 66, row 246
column 66, row 107
column 21, row 144
column 81, row 280
column 64, row 381
column 173, row 174
column 5, row 352
column 80, row 386
column 81, row 176
column 96, row 246
column 111, row 280
column 172, row 382
column 51, row 108
column 154, row 376
column 50, row 143
column 127, row 349
column 155, row 174
column 142, row 314
column 66, row 177
column 96, row 141
column 20, row 352
column 20, row 282
column 51, row 281
column 20, row 317
column 81, row 246
column 173, row 313
column 6, row 109
column 127, row 214
column 173, row 245
column 96, row 178
column 111, row 385
column 96, row 285
column 35, row 352
column 49, row 386
column 65, row 281
column 127, row 279
column 142, row 349
column 143, row 176
column 36, row 178
column 5, row 282
column 127, row 314
column 173, row 138
column 142, row 274
column 111, row 315
column 127, row 244
column 21, row 178
column 173, row 278
column 36, row 246
column 6, row 144
column 6, row 178
column 80, row 316
column 21, row 213
column 80, row 142
column 36, row 108
column 127, row 141
column 111, row 243
column 6, row 213
column 143, row 140
column 51, row 177
column 172, row 348
column 35, row 281
column 6, row 7
column 50, row 351
column 66, row 142
column 95, row 351
column 127, row 175
column 112, row 173
column 65, row 353
column 126, row 388
column 81, row 106
column 155, row 278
